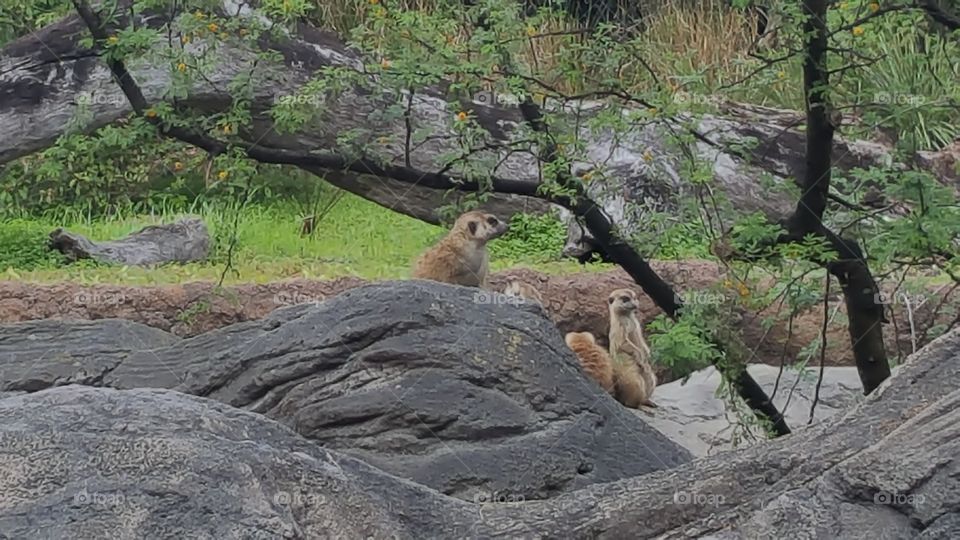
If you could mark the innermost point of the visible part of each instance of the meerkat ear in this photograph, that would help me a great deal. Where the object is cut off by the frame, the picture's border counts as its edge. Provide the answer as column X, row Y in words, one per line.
column 473, row 227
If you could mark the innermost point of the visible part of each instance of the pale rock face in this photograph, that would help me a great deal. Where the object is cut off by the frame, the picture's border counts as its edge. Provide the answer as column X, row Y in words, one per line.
column 692, row 415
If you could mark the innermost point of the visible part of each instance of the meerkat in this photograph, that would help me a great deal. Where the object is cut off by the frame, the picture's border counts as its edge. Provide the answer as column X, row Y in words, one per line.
column 594, row 360
column 519, row 289
column 461, row 256
column 628, row 348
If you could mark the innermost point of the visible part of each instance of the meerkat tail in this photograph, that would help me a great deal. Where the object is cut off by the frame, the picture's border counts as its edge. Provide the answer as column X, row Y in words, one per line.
column 594, row 361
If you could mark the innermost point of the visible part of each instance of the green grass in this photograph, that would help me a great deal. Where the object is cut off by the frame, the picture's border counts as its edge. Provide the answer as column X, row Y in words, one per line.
column 357, row 238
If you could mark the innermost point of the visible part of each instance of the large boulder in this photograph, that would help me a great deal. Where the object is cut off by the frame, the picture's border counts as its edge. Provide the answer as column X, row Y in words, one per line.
column 90, row 463
column 83, row 462
column 445, row 385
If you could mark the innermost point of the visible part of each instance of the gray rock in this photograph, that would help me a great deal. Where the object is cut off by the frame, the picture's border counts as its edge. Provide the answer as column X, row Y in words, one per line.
column 692, row 414
column 40, row 354
column 186, row 240
column 91, row 463
column 83, row 462
column 444, row 385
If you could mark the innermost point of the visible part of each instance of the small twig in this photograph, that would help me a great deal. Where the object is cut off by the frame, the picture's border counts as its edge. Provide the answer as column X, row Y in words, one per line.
column 823, row 347
column 913, row 326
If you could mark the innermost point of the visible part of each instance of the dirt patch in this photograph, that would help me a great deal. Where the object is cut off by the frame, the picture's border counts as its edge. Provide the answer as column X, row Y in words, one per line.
column 575, row 302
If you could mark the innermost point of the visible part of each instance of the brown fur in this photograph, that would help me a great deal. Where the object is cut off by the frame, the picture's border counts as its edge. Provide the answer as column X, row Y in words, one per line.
column 629, row 350
column 594, row 360
column 519, row 289
column 461, row 256
column 629, row 387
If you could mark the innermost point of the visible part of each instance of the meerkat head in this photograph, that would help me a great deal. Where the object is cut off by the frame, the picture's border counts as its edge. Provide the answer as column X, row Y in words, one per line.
column 623, row 302
column 480, row 227
column 574, row 338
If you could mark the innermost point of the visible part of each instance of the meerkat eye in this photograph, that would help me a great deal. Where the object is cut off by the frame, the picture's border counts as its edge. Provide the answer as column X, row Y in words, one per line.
column 492, row 220
column 624, row 298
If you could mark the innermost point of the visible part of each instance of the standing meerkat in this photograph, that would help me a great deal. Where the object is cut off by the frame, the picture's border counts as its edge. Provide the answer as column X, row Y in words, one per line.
column 594, row 360
column 461, row 256
column 519, row 289
column 628, row 348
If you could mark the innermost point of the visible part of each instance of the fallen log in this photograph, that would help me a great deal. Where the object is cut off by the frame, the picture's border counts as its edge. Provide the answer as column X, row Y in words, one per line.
column 186, row 240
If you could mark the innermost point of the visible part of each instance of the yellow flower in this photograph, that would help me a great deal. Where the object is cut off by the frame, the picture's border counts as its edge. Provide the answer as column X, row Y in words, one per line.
column 781, row 74
column 587, row 176
column 461, row 116
column 198, row 14
column 112, row 39
column 858, row 30
column 874, row 7
column 743, row 290
column 652, row 111
column 181, row 67
column 212, row 27
column 647, row 156
column 243, row 31
column 385, row 64
column 177, row 166
column 150, row 113
column 227, row 129
column 383, row 140
column 531, row 31
column 185, row 40
column 843, row 5
column 374, row 2
column 223, row 175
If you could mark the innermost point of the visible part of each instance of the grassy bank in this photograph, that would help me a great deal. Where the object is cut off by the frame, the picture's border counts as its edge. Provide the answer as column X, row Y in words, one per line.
column 356, row 238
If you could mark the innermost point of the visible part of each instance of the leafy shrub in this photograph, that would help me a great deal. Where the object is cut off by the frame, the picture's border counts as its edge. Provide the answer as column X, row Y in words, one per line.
column 531, row 238
column 23, row 246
